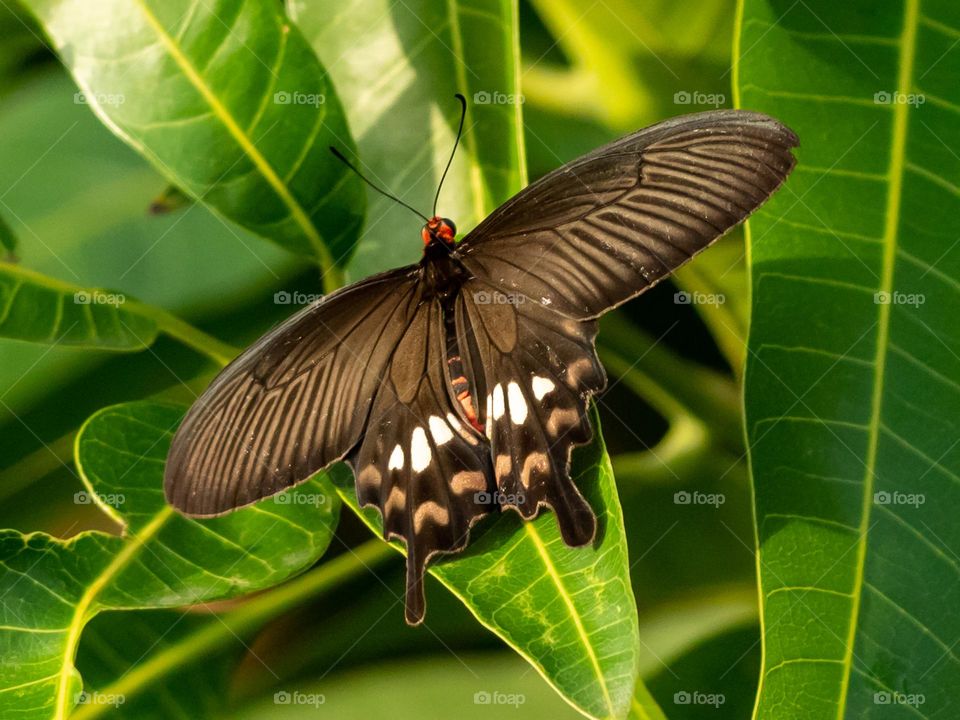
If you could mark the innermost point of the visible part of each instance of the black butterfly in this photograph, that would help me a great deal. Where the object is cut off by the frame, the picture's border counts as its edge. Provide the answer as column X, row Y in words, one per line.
column 458, row 386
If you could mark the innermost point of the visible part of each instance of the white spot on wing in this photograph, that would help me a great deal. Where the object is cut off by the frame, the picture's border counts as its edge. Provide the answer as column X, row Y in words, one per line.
column 454, row 423
column 440, row 430
column 396, row 459
column 541, row 386
column 518, row 406
column 419, row 450
column 498, row 407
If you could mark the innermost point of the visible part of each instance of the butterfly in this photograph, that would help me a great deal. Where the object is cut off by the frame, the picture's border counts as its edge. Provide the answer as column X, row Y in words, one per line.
column 457, row 387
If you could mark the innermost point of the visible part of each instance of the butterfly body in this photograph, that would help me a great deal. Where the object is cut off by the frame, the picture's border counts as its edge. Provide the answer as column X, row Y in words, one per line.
column 457, row 387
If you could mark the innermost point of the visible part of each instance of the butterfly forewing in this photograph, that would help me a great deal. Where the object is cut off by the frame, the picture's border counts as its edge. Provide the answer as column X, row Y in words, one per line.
column 292, row 403
column 608, row 226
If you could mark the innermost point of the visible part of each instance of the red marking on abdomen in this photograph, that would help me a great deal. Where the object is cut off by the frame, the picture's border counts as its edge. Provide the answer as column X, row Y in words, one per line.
column 461, row 388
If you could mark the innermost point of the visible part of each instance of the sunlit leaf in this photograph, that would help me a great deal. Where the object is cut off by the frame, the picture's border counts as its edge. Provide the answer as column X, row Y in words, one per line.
column 228, row 101
column 852, row 402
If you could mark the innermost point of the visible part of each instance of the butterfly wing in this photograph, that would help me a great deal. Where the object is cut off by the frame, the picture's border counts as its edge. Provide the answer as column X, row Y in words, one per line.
column 292, row 403
column 419, row 462
column 575, row 244
column 604, row 228
column 535, row 370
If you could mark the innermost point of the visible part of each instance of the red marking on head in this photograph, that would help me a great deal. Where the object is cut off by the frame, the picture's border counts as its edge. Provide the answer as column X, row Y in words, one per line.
column 440, row 228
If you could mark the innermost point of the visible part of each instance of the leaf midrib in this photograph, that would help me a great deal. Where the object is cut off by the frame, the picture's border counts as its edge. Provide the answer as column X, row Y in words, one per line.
column 300, row 215
column 907, row 43
column 62, row 703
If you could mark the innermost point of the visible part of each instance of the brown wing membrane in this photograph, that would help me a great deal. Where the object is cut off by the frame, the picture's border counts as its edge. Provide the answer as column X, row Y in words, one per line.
column 608, row 226
column 425, row 470
column 537, row 369
column 292, row 403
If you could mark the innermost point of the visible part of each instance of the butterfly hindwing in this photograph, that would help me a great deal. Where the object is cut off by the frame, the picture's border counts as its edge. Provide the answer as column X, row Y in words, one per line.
column 538, row 370
column 608, row 226
column 419, row 462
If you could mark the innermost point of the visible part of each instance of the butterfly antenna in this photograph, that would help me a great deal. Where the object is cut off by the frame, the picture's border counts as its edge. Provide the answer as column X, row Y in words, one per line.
column 463, row 115
column 341, row 158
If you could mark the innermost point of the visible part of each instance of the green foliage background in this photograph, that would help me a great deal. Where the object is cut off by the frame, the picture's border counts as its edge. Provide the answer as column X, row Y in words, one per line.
column 778, row 473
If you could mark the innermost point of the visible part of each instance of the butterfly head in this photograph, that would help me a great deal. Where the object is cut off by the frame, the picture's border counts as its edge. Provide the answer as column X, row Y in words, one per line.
column 439, row 229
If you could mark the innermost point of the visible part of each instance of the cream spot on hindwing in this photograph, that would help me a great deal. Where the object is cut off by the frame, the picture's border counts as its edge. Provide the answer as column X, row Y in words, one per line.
column 498, row 405
column 440, row 430
column 454, row 423
column 518, row 406
column 396, row 459
column 432, row 511
column 541, row 386
column 468, row 481
column 419, row 450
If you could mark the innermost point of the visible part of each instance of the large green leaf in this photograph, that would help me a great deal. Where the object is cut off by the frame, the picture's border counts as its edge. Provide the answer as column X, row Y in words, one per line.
column 40, row 309
column 50, row 588
column 569, row 611
column 396, row 67
column 852, row 394
column 225, row 99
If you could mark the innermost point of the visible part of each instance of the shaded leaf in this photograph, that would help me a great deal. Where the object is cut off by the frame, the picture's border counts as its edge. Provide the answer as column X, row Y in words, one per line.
column 852, row 397
column 227, row 101
column 50, row 588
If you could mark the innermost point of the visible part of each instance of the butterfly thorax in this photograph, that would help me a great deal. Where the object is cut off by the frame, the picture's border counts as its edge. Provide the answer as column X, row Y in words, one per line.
column 443, row 272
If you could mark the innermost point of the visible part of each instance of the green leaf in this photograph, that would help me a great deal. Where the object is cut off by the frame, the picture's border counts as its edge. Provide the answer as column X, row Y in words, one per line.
column 227, row 101
column 852, row 397
column 40, row 309
column 570, row 612
column 397, row 67
column 50, row 588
